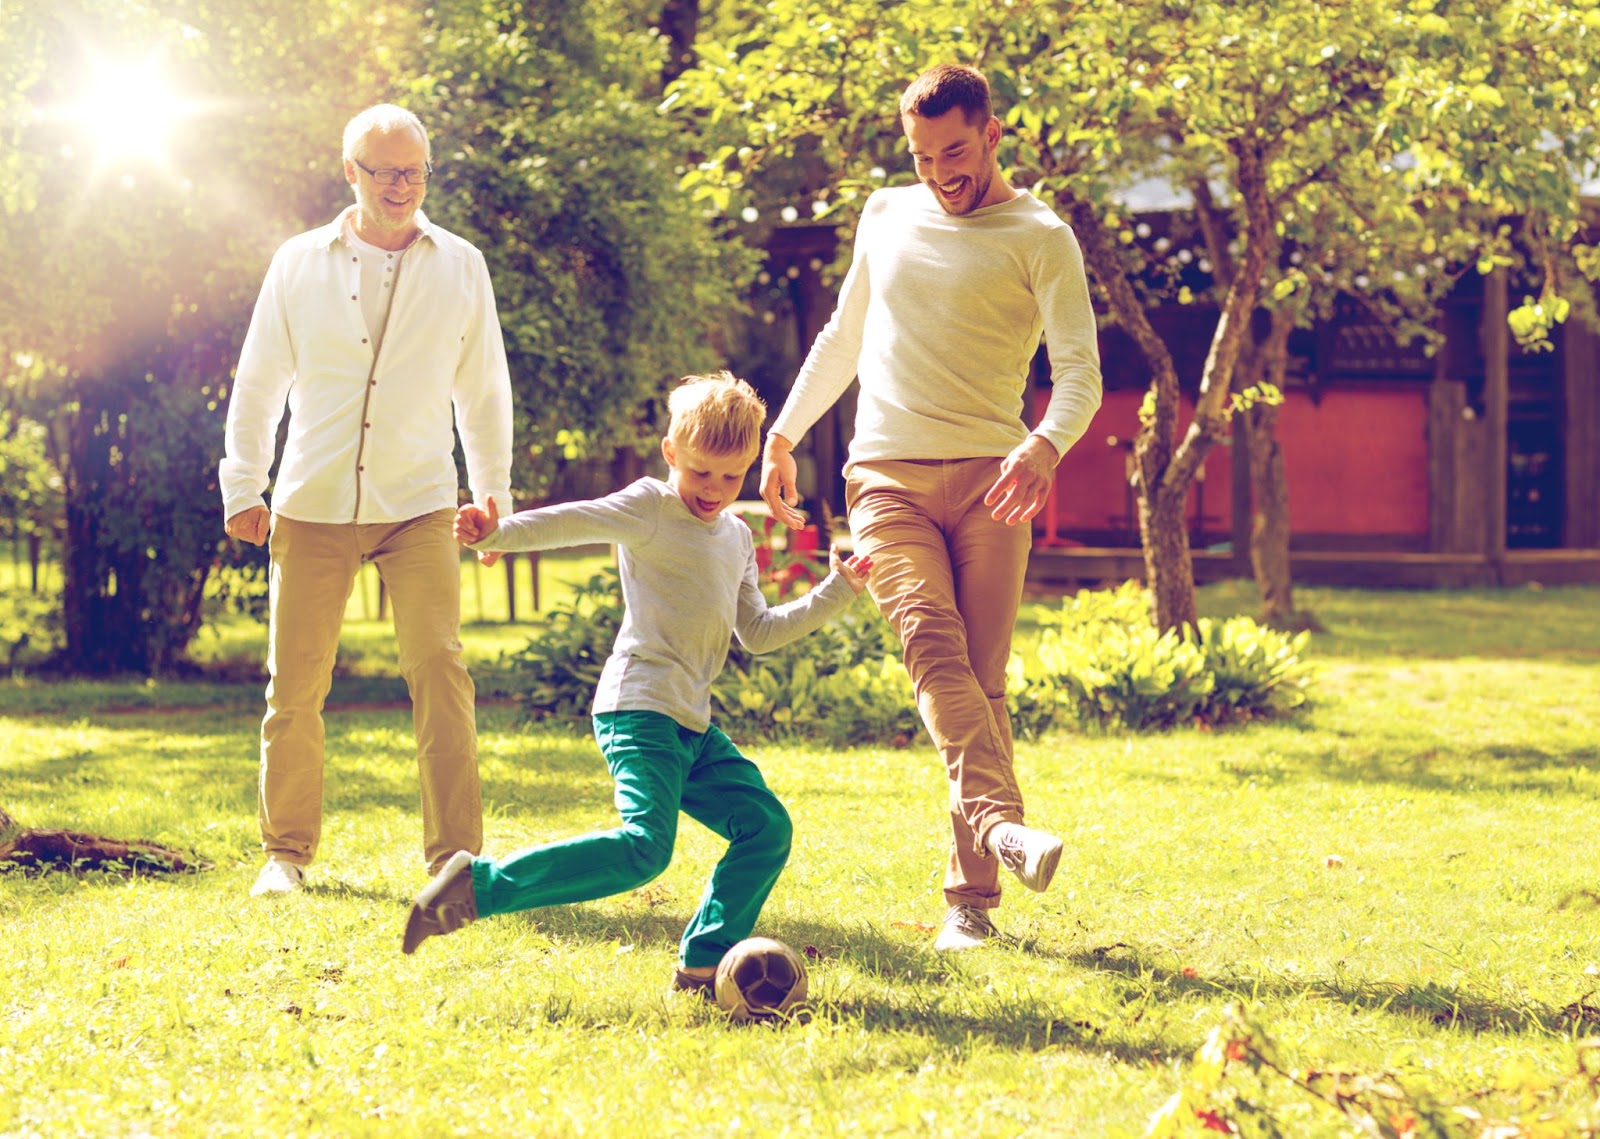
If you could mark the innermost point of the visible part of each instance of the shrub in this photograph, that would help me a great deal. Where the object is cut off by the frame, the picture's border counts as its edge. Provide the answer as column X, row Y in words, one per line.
column 1101, row 664
column 30, row 626
column 1098, row 664
column 555, row 674
column 842, row 684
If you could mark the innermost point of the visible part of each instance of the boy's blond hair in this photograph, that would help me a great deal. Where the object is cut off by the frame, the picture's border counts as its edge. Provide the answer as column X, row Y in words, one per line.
column 716, row 414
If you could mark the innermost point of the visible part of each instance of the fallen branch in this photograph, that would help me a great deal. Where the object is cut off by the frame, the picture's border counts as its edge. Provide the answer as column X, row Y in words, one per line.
column 74, row 850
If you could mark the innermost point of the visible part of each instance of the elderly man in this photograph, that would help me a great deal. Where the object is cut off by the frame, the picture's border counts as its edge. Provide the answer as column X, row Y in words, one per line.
column 378, row 331
column 953, row 281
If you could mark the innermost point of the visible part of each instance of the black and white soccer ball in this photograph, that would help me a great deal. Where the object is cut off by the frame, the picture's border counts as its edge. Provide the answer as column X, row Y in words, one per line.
column 760, row 978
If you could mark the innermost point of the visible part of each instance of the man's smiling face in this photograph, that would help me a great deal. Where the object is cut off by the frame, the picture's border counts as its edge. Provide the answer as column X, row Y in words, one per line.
column 955, row 159
column 388, row 209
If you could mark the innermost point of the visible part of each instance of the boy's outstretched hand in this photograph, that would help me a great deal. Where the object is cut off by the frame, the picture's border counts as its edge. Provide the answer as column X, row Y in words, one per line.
column 474, row 523
column 855, row 569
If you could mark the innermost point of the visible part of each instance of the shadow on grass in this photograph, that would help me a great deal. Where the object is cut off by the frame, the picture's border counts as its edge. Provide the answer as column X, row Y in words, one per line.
column 1442, row 1006
column 1132, row 1008
column 1505, row 766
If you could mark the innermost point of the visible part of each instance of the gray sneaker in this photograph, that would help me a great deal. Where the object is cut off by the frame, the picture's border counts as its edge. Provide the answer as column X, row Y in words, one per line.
column 445, row 905
column 1029, row 854
column 964, row 927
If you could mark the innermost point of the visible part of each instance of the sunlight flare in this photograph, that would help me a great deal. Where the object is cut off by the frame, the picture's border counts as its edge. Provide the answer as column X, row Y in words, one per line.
column 127, row 113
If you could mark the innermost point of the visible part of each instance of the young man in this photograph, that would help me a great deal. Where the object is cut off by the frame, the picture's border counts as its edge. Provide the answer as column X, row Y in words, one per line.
column 952, row 283
column 379, row 332
column 689, row 580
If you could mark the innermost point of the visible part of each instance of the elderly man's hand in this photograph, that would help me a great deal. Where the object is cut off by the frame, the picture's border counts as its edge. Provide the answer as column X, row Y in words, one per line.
column 1024, row 482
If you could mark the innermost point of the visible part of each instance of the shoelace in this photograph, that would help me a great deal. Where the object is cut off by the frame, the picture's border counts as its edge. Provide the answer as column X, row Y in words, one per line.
column 972, row 921
column 1013, row 855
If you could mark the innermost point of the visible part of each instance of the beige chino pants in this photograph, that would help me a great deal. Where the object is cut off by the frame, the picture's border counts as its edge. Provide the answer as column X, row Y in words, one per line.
column 313, row 570
column 948, row 578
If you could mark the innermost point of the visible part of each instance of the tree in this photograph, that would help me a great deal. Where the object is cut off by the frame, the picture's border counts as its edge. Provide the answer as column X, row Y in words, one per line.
column 134, row 252
column 555, row 162
column 132, row 269
column 1261, row 107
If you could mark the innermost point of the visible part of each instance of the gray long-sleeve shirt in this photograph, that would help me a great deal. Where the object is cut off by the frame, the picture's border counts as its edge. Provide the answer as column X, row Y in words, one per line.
column 687, row 585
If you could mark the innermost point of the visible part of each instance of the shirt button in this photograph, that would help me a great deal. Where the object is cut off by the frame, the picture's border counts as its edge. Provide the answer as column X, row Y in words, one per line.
column 363, row 340
column 352, row 296
column 372, row 383
column 368, row 426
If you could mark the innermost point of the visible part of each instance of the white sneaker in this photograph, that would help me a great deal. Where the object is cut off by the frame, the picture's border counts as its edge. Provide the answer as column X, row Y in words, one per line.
column 1029, row 854
column 964, row 927
column 279, row 877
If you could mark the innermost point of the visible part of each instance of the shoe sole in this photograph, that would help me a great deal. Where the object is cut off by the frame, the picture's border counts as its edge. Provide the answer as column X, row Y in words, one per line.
column 1039, row 880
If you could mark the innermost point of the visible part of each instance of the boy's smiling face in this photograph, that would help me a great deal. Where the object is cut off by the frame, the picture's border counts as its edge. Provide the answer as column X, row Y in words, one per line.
column 707, row 483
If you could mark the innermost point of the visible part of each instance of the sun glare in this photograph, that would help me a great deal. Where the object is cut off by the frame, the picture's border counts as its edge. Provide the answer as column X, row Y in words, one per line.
column 127, row 113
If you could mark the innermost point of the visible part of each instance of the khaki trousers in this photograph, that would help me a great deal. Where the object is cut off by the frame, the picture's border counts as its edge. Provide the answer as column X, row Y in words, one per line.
column 948, row 578
column 313, row 570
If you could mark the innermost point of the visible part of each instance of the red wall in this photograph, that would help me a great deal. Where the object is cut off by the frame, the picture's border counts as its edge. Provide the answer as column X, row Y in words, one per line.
column 1357, row 464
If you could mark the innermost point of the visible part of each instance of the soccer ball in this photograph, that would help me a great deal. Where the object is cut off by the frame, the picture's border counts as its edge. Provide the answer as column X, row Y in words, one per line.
column 759, row 979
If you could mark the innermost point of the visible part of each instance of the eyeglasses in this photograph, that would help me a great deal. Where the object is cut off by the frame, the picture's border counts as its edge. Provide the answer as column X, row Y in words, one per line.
column 388, row 175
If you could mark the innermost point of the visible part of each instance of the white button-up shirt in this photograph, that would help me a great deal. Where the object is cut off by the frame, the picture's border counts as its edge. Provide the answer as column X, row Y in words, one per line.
column 370, row 437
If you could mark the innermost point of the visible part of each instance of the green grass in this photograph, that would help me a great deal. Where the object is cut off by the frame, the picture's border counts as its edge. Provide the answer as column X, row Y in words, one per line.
column 1451, row 765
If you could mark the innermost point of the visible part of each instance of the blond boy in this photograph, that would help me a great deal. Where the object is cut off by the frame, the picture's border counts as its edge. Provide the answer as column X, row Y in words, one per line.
column 688, row 571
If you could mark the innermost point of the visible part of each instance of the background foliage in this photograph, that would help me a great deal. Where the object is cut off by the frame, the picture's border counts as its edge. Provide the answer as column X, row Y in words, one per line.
column 1094, row 663
column 127, row 285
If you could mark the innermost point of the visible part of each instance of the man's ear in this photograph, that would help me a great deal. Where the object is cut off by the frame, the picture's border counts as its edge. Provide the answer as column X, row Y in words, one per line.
column 992, row 130
column 669, row 452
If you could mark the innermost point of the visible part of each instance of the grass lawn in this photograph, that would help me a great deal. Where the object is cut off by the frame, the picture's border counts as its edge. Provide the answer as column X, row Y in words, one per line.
column 1400, row 885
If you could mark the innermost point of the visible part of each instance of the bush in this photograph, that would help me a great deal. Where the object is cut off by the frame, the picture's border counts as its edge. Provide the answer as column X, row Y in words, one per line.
column 555, row 674
column 842, row 684
column 1102, row 665
column 30, row 627
column 1099, row 665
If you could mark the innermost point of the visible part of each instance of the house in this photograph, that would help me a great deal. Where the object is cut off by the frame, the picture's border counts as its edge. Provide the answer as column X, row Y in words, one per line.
column 1479, row 465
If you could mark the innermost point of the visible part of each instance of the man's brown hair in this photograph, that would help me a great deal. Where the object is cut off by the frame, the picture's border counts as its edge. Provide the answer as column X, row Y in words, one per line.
column 948, row 87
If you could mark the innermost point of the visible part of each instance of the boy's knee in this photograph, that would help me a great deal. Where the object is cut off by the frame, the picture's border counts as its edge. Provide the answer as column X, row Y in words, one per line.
column 649, row 854
column 773, row 827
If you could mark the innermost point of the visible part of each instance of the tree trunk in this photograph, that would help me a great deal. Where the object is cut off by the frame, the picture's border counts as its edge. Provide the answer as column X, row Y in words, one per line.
column 680, row 22
column 1269, row 489
column 1168, row 566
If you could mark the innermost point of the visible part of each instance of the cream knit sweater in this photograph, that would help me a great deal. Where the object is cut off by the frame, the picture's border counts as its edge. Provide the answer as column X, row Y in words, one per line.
column 940, row 317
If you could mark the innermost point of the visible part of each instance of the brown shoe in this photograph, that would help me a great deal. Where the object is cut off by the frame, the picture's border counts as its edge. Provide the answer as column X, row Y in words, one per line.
column 445, row 905
column 704, row 987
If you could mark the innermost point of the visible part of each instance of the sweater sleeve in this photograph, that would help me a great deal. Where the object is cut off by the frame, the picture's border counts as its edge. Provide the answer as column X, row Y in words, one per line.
column 1070, row 337
column 831, row 364
column 628, row 515
column 762, row 628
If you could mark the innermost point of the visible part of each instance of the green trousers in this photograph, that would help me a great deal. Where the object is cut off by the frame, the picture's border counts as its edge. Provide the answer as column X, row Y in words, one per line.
column 660, row 768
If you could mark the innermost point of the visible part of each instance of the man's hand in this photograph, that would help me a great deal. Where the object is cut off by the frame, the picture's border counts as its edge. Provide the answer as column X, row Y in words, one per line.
column 249, row 525
column 854, row 569
column 474, row 523
column 1024, row 482
column 778, row 477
